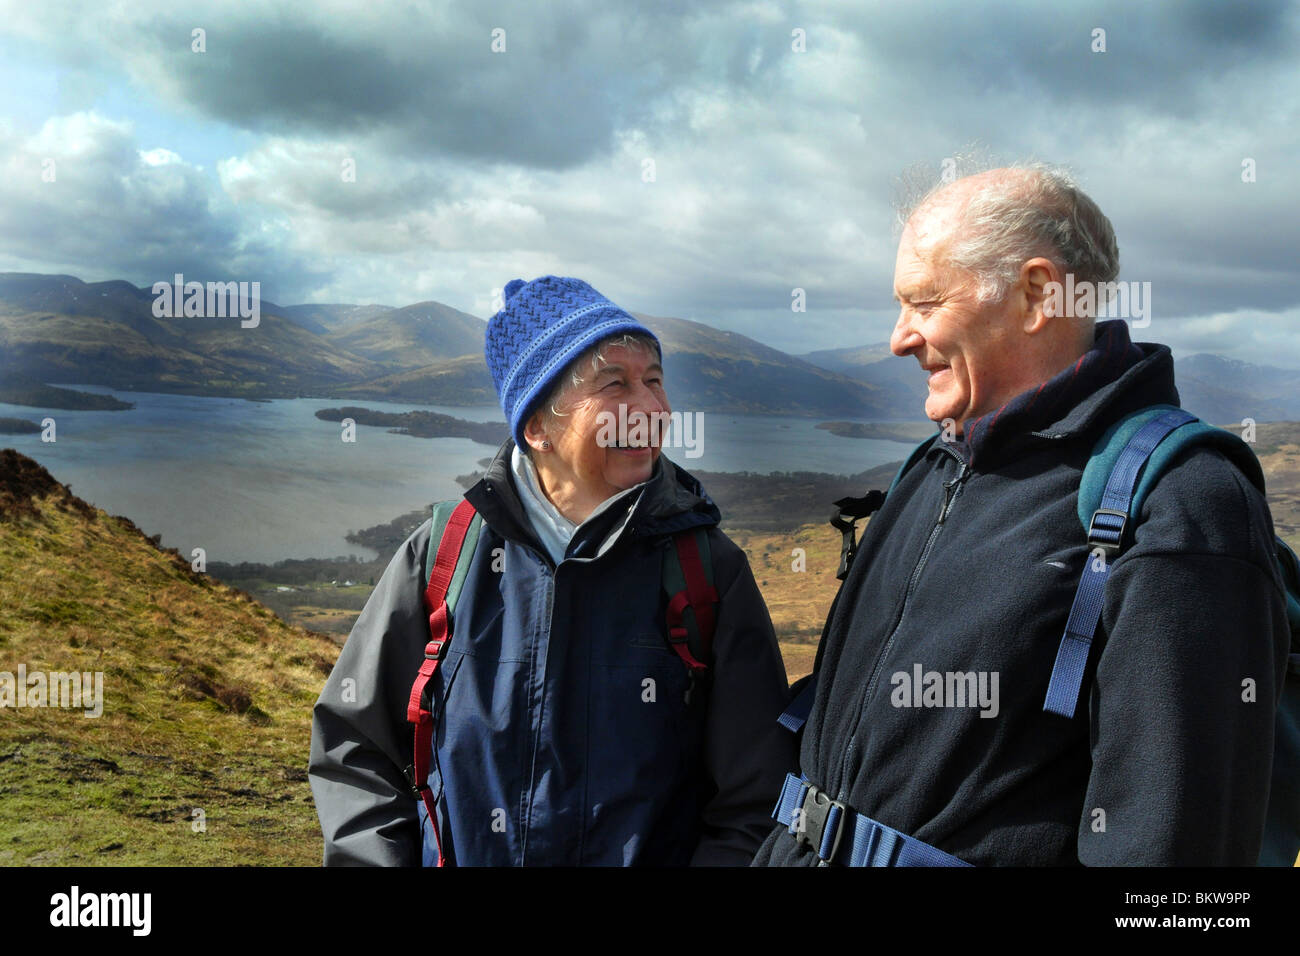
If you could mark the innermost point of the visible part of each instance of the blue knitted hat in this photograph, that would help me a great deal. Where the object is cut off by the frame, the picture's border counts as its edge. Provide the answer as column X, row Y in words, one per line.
column 544, row 326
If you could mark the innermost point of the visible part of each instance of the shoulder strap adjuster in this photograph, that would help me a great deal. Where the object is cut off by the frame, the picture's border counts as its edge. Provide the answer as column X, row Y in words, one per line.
column 1106, row 530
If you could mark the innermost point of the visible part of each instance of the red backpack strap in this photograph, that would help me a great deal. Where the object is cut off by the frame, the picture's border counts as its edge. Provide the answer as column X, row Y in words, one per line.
column 688, row 579
column 419, row 710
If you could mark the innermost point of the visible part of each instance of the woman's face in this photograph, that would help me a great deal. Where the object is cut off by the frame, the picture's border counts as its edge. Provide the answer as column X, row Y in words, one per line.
column 588, row 460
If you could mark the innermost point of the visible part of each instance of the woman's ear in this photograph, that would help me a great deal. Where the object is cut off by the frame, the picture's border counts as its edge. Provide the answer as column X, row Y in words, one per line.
column 536, row 432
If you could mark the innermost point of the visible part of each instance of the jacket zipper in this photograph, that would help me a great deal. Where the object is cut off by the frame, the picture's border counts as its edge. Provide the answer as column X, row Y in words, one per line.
column 951, row 489
column 536, row 730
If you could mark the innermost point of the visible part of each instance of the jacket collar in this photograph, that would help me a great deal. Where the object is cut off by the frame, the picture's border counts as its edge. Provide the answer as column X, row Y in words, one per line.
column 1114, row 377
column 671, row 500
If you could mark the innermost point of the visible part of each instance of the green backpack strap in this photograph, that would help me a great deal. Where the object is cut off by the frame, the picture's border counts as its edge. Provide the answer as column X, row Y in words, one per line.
column 441, row 515
column 1282, row 824
column 692, row 598
column 1107, row 451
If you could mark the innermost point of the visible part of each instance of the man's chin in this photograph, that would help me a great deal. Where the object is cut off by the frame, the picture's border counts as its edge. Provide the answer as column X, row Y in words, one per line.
column 937, row 412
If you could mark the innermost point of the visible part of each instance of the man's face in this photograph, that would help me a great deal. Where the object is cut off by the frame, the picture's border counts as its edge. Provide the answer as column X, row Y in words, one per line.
column 966, row 347
column 631, row 377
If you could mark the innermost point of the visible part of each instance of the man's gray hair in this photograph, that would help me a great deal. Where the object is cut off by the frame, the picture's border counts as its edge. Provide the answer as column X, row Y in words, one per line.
column 1014, row 219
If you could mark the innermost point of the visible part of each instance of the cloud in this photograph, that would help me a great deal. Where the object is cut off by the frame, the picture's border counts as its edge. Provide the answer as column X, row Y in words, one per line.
column 773, row 169
column 545, row 86
column 80, row 195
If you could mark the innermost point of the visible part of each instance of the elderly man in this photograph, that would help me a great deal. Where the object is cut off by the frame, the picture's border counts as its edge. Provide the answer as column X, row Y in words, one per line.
column 971, row 566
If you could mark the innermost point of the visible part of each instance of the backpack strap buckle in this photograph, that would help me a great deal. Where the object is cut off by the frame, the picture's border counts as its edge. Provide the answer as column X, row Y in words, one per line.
column 817, row 811
column 1106, row 530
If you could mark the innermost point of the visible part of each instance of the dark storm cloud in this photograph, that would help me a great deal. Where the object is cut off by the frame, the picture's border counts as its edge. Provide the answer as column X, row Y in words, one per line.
column 1171, row 57
column 429, row 83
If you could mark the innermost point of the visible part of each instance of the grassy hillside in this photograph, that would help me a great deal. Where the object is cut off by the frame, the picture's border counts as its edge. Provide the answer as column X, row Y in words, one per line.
column 1278, row 446
column 206, row 698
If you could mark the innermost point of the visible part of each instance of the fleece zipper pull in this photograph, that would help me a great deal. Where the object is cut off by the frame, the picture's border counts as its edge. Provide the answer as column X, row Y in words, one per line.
column 950, row 491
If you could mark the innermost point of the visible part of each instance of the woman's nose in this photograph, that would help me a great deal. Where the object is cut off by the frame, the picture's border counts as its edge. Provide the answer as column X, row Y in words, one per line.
column 648, row 400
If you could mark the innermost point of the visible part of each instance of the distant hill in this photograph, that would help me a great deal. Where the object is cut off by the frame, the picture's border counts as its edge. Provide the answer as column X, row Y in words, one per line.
column 206, row 698
column 414, row 336
column 849, row 360
column 1221, row 389
column 459, row 381
column 717, row 370
column 323, row 319
column 707, row 370
column 60, row 329
column 900, row 381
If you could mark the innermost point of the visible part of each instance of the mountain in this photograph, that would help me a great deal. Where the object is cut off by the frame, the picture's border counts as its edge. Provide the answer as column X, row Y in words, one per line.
column 726, row 372
column 323, row 319
column 414, row 336
column 1226, row 390
column 900, row 381
column 60, row 329
column 708, row 369
column 204, row 709
column 459, row 381
column 849, row 360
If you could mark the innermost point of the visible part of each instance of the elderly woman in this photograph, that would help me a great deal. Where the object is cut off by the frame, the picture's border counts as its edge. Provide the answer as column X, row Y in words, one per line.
column 567, row 718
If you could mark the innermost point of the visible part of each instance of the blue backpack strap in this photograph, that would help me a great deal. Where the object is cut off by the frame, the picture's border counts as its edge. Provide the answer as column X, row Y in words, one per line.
column 839, row 834
column 796, row 715
column 1108, row 527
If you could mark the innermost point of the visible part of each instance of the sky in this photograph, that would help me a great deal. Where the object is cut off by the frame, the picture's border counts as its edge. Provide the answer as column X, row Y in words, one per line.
column 687, row 159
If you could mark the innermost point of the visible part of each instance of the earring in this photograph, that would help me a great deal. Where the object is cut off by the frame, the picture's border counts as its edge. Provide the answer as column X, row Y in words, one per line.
column 546, row 446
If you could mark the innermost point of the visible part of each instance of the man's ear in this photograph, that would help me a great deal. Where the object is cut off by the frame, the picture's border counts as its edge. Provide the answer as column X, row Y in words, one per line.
column 1040, row 295
column 535, row 430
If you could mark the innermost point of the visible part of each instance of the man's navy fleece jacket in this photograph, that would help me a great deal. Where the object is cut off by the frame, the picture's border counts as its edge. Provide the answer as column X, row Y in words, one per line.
column 1163, row 762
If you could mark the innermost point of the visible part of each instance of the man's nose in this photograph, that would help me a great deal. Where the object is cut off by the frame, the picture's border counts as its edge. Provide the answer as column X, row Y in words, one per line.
column 905, row 339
